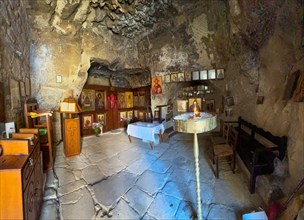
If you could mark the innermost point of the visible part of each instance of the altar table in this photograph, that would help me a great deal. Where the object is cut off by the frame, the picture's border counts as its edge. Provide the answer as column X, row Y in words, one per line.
column 145, row 131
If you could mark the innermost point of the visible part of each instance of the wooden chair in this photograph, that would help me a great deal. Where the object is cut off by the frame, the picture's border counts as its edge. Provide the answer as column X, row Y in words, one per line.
column 38, row 118
column 228, row 151
column 223, row 137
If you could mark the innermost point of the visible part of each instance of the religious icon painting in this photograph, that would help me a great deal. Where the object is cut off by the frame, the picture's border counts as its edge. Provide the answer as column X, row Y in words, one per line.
column 156, row 85
column 156, row 115
column 195, row 104
column 211, row 74
column 203, row 75
column 174, row 77
column 135, row 113
column 167, row 78
column 182, row 105
column 181, row 77
column 101, row 118
column 135, row 100
column 129, row 114
column 100, row 100
column 187, row 76
column 122, row 100
column 210, row 105
column 123, row 116
column 87, row 120
column 88, row 100
column 195, row 75
column 141, row 115
column 220, row 73
column 141, row 101
column 148, row 116
column 229, row 101
column 129, row 98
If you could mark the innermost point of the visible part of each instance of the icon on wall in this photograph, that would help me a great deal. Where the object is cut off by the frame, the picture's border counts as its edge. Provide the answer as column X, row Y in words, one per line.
column 156, row 85
column 88, row 100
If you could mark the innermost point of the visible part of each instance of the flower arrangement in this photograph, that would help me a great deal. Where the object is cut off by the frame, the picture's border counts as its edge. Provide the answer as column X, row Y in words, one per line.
column 97, row 127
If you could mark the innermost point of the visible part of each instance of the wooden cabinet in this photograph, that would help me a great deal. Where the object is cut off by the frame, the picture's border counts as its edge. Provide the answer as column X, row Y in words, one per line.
column 21, row 184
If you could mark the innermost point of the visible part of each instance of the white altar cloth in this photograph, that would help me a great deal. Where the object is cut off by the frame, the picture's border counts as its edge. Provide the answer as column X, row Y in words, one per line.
column 145, row 130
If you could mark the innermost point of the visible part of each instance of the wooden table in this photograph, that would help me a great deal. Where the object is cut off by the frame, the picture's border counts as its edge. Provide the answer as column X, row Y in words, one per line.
column 145, row 131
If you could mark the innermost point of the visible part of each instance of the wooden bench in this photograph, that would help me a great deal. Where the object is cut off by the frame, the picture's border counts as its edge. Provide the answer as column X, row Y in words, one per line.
column 257, row 148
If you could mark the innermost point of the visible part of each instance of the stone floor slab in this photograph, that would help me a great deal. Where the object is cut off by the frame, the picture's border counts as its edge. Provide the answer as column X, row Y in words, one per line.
column 176, row 189
column 164, row 207
column 221, row 212
column 110, row 190
column 70, row 187
column 151, row 182
column 160, row 166
column 64, row 175
column 111, row 165
column 83, row 208
column 123, row 211
column 141, row 165
column 207, row 192
column 138, row 200
column 186, row 210
column 92, row 174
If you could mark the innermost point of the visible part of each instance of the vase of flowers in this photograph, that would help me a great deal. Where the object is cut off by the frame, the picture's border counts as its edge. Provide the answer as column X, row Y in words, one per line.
column 98, row 129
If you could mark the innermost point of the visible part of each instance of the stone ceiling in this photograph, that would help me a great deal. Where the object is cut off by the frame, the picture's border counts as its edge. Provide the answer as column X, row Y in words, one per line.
column 129, row 18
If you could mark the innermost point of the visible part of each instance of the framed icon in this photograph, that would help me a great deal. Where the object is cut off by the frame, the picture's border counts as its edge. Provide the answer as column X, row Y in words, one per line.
column 122, row 116
column 195, row 104
column 210, row 107
column 211, row 74
column 88, row 100
column 87, row 120
column 135, row 113
column 203, row 75
column 181, row 77
column 141, row 115
column 156, row 115
column 174, row 77
column 187, row 76
column 101, row 118
column 182, row 105
column 167, row 78
column 220, row 73
column 100, row 100
column 195, row 75
column 129, row 114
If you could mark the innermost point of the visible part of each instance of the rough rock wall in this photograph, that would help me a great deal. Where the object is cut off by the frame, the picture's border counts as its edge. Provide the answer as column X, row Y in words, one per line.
column 264, row 48
column 180, row 43
column 14, row 51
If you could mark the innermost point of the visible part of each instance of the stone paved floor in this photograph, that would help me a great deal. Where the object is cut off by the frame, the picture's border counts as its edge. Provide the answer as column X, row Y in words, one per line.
column 114, row 179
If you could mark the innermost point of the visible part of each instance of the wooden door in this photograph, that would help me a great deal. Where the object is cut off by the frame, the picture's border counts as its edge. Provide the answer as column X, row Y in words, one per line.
column 112, row 120
column 71, row 136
